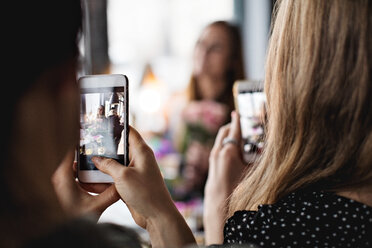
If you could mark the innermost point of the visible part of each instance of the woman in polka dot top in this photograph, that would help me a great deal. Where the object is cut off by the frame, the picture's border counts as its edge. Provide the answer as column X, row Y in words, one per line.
column 306, row 218
column 312, row 186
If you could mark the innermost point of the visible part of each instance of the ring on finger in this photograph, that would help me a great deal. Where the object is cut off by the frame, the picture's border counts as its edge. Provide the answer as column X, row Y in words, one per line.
column 229, row 140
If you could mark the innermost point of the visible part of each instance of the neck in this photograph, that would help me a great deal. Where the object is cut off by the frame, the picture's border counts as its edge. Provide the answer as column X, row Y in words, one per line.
column 208, row 87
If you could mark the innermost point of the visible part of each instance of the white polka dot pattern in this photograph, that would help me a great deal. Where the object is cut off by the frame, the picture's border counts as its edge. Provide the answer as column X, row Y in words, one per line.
column 303, row 219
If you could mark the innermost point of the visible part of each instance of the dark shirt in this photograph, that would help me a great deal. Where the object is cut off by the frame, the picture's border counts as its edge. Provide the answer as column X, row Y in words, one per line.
column 84, row 232
column 303, row 219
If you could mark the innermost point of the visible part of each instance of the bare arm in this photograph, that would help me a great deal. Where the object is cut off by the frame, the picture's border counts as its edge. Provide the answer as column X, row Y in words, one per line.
column 170, row 231
column 142, row 188
column 226, row 168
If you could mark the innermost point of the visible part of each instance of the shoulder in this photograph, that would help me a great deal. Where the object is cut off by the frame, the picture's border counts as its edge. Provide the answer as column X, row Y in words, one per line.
column 84, row 232
column 302, row 218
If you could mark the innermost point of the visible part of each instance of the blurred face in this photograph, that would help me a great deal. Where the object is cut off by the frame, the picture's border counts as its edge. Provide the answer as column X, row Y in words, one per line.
column 100, row 111
column 212, row 55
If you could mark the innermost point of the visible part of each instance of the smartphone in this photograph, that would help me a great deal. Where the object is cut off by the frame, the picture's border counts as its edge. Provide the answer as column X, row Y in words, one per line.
column 103, row 124
column 250, row 101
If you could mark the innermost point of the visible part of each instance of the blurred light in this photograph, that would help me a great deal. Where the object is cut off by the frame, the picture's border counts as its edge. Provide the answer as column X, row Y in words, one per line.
column 151, row 95
column 150, row 100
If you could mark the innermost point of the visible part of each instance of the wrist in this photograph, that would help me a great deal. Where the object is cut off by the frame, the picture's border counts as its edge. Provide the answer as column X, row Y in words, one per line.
column 214, row 216
column 169, row 229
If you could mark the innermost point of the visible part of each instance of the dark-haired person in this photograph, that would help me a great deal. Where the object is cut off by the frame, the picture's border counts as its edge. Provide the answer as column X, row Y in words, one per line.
column 39, row 41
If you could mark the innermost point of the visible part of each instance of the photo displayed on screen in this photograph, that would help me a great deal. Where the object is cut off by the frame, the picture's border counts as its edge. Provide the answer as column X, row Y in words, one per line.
column 251, row 110
column 101, row 125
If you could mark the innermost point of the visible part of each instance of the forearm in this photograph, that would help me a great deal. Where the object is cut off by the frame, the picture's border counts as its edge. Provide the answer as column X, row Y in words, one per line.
column 170, row 230
column 214, row 220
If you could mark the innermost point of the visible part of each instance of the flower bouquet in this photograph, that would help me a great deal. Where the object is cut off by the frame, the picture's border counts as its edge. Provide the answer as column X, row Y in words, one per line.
column 202, row 121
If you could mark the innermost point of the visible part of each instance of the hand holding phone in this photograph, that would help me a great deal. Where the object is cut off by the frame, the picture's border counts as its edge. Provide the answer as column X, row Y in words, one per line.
column 76, row 201
column 143, row 190
column 103, row 124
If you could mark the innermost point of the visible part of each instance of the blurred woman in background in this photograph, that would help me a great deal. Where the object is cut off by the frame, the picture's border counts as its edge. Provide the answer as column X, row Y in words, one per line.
column 194, row 116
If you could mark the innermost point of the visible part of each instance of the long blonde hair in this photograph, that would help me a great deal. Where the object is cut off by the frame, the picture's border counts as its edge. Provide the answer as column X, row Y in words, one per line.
column 319, row 92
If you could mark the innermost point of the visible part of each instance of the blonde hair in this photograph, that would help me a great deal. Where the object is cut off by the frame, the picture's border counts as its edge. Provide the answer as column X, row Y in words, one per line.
column 319, row 92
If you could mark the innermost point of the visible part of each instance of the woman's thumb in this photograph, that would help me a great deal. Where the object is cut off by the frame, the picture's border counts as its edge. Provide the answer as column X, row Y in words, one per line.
column 108, row 165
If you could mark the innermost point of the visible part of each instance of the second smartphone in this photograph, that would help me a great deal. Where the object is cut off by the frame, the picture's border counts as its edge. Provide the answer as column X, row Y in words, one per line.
column 104, row 125
column 250, row 103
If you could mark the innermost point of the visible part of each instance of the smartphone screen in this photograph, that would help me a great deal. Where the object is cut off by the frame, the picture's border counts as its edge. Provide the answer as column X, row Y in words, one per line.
column 102, row 125
column 251, row 111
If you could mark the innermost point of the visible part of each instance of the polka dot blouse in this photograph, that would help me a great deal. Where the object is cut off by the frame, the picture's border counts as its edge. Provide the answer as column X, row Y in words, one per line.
column 303, row 219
